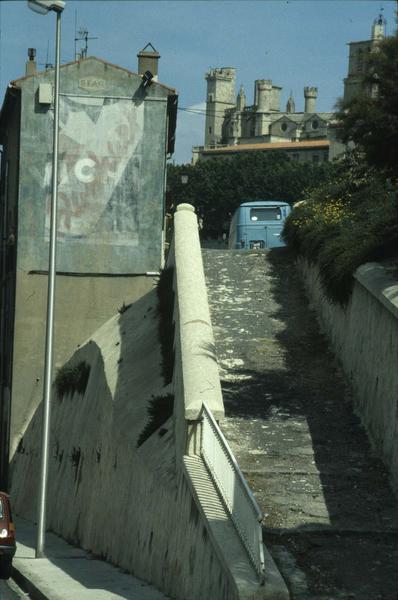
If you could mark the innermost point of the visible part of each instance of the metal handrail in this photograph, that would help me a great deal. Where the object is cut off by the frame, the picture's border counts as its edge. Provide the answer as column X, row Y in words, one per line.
column 248, row 527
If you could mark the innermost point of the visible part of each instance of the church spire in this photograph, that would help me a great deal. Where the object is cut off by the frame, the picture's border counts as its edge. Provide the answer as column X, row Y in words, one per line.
column 291, row 105
column 241, row 99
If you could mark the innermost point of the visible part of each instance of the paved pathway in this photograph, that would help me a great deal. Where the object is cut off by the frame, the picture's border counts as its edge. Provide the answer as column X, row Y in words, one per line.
column 331, row 520
column 69, row 573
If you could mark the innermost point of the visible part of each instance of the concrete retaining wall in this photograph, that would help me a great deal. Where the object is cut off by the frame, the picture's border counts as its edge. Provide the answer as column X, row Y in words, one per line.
column 364, row 337
column 138, row 505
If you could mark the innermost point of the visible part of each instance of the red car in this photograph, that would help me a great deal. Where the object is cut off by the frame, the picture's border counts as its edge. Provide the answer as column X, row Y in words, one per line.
column 7, row 537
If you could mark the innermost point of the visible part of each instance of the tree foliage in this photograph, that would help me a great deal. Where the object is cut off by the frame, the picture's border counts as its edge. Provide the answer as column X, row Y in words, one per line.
column 216, row 187
column 372, row 122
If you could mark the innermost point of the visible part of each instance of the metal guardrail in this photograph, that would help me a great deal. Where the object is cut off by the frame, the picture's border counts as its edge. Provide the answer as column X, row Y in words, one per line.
column 233, row 488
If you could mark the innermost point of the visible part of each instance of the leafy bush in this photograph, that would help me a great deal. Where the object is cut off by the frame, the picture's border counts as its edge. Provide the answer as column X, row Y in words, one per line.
column 348, row 221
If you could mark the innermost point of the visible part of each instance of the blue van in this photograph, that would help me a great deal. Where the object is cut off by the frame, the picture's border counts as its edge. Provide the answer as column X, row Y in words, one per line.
column 258, row 225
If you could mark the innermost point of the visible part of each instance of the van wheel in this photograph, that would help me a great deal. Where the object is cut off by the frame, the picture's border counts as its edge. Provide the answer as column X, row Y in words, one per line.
column 5, row 567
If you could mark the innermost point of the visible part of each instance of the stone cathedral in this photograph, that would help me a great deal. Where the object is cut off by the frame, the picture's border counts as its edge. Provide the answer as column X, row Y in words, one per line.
column 234, row 126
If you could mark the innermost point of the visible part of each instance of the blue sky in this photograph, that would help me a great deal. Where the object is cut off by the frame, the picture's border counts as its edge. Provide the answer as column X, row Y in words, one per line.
column 293, row 42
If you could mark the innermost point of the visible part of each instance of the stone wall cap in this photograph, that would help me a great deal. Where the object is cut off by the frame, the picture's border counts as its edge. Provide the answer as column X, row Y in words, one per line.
column 185, row 206
column 375, row 278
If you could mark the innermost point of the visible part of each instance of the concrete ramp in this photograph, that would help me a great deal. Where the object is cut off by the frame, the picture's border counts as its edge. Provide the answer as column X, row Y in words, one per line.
column 330, row 516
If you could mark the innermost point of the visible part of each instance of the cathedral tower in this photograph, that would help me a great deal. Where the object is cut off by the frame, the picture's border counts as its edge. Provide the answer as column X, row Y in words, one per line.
column 354, row 83
column 220, row 97
column 310, row 96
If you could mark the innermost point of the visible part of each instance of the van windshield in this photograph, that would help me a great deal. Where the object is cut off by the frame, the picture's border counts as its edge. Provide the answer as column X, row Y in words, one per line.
column 271, row 213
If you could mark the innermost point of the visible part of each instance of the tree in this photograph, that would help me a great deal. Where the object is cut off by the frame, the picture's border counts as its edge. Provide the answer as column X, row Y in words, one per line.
column 372, row 122
column 216, row 187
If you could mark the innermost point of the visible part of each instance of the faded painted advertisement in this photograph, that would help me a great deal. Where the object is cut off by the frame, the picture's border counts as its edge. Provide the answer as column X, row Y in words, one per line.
column 100, row 154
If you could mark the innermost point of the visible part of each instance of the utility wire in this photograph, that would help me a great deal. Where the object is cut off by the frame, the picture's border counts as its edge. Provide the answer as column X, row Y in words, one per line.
column 219, row 114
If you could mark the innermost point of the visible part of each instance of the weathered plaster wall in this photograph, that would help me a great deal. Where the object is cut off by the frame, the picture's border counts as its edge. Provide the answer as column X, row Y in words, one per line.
column 365, row 339
column 111, row 171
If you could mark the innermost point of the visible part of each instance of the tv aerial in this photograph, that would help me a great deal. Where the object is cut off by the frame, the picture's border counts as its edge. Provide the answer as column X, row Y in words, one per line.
column 82, row 35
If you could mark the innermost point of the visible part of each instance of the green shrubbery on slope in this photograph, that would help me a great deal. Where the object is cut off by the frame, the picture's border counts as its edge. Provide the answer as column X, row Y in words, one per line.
column 349, row 220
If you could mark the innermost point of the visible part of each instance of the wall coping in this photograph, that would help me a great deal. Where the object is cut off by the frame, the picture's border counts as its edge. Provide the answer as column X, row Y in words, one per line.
column 383, row 286
column 201, row 380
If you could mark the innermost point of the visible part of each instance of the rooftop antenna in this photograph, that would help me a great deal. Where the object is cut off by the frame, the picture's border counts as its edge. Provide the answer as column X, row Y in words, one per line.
column 83, row 35
column 47, row 65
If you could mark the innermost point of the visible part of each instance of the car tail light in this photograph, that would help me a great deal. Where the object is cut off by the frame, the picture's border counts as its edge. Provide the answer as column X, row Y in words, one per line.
column 3, row 533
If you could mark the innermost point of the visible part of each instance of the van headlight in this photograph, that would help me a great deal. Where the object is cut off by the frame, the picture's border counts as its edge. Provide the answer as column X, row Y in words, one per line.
column 3, row 533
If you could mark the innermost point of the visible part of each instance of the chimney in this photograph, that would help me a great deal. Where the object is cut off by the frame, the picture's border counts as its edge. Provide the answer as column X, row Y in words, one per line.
column 30, row 68
column 310, row 96
column 148, row 59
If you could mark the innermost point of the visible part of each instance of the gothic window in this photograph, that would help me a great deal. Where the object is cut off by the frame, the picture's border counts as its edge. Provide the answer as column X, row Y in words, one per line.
column 211, row 98
column 315, row 124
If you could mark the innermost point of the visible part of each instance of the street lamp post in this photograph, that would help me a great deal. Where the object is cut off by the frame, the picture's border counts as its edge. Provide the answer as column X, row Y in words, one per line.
column 43, row 7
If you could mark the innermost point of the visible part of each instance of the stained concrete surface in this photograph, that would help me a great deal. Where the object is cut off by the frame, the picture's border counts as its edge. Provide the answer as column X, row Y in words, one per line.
column 330, row 517
column 69, row 573
column 9, row 590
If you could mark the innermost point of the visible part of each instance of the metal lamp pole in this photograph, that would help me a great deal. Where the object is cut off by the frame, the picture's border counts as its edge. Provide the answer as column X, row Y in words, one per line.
column 43, row 7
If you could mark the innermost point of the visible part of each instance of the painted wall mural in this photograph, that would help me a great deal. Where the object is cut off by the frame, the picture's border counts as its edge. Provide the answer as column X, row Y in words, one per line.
column 100, row 153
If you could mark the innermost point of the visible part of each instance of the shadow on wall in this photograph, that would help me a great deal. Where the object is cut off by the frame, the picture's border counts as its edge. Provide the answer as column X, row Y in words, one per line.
column 113, row 484
column 94, row 435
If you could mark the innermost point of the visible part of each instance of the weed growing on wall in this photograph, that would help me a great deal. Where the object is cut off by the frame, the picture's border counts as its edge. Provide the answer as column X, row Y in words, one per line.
column 160, row 409
column 166, row 324
column 72, row 378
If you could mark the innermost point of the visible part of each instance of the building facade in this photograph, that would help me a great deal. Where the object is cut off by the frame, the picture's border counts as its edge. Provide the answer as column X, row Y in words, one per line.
column 115, row 131
column 237, row 127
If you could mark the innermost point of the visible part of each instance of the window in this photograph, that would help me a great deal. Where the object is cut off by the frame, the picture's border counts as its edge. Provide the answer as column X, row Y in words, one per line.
column 210, row 129
column 315, row 124
column 284, row 126
column 271, row 213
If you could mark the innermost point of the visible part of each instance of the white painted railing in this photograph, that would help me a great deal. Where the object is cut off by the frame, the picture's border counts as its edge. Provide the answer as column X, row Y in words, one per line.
column 232, row 486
